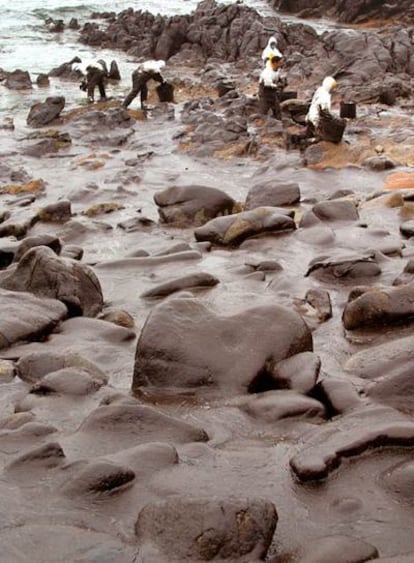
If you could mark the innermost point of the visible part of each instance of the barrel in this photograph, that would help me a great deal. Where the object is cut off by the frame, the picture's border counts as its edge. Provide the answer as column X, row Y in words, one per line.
column 347, row 109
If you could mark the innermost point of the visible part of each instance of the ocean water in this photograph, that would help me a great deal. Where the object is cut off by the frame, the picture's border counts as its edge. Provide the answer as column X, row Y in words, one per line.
column 25, row 42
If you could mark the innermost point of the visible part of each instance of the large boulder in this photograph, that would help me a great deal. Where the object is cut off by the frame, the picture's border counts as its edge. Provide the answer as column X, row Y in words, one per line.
column 184, row 344
column 234, row 229
column 43, row 113
column 378, row 307
column 192, row 205
column 44, row 274
column 206, row 529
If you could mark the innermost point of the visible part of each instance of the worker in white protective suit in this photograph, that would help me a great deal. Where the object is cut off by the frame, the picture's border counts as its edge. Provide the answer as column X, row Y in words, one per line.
column 321, row 100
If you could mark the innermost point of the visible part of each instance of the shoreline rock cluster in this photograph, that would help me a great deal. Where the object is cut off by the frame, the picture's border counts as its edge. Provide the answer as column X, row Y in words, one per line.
column 355, row 11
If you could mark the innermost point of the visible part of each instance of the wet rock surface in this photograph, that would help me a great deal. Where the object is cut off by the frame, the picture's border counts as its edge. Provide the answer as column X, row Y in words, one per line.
column 206, row 330
column 221, row 530
column 44, row 113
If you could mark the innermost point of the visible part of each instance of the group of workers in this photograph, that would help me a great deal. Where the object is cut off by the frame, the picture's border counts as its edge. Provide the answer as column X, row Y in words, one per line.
column 272, row 83
column 95, row 75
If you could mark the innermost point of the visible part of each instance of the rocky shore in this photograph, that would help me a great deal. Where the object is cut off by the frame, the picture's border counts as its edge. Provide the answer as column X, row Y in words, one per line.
column 353, row 11
column 206, row 332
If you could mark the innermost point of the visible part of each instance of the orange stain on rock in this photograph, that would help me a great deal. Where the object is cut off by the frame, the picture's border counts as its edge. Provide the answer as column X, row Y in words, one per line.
column 34, row 186
column 400, row 181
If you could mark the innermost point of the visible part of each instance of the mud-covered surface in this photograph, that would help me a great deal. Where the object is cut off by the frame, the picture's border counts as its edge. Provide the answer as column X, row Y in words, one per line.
column 206, row 337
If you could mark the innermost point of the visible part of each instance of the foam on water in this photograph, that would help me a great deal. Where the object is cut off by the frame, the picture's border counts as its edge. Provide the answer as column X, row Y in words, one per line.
column 26, row 44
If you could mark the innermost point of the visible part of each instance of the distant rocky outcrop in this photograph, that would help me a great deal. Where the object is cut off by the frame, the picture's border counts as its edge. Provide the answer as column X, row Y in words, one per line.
column 212, row 30
column 353, row 11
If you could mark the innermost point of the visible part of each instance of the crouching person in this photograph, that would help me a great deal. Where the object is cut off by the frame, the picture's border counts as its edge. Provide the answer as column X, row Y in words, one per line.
column 146, row 71
column 94, row 75
column 271, row 84
column 322, row 124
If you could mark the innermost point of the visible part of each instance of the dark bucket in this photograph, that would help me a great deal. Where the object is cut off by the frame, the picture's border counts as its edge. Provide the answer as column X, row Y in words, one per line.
column 165, row 92
column 330, row 128
column 347, row 109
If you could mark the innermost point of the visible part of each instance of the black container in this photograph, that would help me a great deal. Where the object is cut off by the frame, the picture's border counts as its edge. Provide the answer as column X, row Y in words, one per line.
column 330, row 128
column 347, row 109
column 165, row 92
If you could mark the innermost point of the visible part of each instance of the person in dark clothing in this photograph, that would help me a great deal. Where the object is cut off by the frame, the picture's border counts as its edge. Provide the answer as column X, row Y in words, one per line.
column 271, row 85
column 95, row 76
column 149, row 70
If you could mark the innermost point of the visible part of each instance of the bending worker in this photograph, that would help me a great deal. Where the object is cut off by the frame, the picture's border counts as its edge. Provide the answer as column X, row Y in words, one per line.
column 95, row 74
column 146, row 71
column 321, row 101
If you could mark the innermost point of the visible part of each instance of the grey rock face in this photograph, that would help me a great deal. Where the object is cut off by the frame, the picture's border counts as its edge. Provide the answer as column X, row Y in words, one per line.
column 44, row 274
column 174, row 348
column 201, row 529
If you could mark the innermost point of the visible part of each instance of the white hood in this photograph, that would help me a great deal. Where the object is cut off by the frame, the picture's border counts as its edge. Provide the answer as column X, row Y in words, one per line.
column 82, row 67
column 271, row 49
column 321, row 100
column 152, row 65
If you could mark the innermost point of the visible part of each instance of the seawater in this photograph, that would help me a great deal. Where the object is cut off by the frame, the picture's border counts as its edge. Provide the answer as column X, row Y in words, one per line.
column 26, row 44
